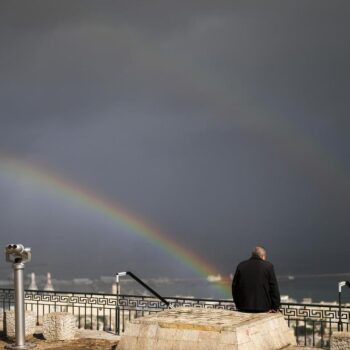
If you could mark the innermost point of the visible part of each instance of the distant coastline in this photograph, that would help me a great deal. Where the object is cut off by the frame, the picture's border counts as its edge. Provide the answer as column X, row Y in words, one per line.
column 315, row 288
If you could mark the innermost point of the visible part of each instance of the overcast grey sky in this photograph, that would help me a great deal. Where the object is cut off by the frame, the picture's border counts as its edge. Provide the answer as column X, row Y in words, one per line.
column 222, row 123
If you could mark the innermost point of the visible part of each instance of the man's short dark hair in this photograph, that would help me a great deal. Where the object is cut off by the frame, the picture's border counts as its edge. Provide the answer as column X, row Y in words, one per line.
column 259, row 251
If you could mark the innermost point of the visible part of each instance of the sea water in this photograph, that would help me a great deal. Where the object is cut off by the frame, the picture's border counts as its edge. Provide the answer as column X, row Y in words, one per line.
column 316, row 288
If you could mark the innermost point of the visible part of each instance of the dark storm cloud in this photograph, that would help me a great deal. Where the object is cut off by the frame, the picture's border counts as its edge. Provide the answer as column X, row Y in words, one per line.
column 220, row 121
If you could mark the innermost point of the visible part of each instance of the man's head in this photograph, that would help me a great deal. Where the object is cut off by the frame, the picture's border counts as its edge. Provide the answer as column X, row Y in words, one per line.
column 259, row 252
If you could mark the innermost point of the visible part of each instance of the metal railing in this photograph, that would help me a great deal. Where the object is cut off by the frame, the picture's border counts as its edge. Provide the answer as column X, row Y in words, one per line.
column 313, row 324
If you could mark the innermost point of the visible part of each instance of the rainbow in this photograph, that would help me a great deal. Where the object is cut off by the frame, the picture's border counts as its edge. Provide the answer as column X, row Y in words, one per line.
column 115, row 212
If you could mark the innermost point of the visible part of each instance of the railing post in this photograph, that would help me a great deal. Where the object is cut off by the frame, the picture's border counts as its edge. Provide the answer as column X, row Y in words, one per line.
column 340, row 286
column 340, row 322
column 117, row 320
column 3, row 313
column 117, row 309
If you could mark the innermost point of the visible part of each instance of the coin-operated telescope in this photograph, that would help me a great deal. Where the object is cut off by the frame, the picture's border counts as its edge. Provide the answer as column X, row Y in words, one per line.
column 18, row 256
column 16, row 253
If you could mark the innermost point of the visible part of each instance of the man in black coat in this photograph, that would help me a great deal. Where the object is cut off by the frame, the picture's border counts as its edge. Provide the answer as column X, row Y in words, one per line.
column 254, row 286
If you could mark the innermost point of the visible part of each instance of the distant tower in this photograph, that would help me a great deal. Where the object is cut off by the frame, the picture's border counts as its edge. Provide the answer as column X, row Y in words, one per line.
column 33, row 285
column 49, row 287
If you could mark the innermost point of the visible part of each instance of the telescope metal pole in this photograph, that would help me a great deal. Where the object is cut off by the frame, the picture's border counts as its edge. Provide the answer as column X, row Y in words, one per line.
column 18, row 256
column 19, row 305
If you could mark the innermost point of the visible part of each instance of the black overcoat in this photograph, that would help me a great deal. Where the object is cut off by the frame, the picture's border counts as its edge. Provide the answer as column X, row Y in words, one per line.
column 255, row 287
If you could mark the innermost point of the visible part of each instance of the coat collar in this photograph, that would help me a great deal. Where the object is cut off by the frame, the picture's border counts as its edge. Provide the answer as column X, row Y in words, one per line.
column 255, row 257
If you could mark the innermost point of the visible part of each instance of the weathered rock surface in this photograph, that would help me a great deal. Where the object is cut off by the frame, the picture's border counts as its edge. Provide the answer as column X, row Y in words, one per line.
column 59, row 326
column 340, row 341
column 76, row 344
column 30, row 323
column 207, row 329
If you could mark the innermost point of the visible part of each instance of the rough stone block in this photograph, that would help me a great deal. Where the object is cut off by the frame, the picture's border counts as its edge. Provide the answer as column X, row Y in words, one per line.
column 131, row 341
column 340, row 341
column 206, row 329
column 59, row 326
column 30, row 323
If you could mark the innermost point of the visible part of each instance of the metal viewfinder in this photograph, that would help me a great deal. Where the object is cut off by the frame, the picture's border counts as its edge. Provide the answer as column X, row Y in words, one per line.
column 16, row 253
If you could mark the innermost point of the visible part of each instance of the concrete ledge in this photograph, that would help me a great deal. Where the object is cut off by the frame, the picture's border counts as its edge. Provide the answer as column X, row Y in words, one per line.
column 340, row 341
column 204, row 329
column 30, row 323
column 59, row 326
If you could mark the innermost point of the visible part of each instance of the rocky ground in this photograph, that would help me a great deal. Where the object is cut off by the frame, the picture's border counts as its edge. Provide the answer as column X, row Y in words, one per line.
column 87, row 344
column 85, row 340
